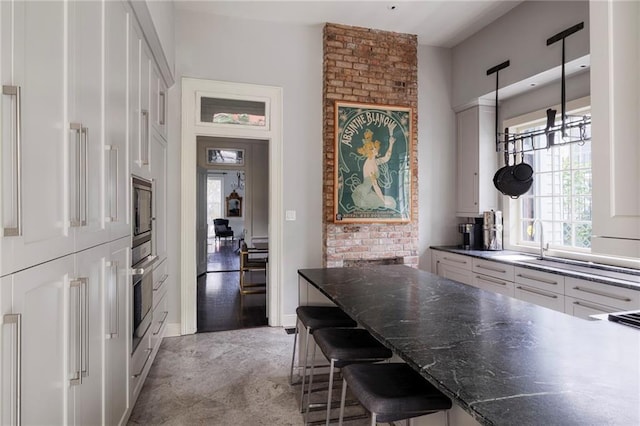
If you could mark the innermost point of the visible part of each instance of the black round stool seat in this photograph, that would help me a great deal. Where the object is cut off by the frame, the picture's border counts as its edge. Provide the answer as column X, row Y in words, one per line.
column 314, row 317
column 349, row 345
column 393, row 391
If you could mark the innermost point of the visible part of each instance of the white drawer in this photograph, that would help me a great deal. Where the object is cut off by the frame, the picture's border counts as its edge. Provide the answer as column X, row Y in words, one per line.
column 539, row 297
column 159, row 324
column 140, row 363
column 583, row 309
column 539, row 279
column 160, row 284
column 493, row 269
column 455, row 260
column 494, row 285
column 453, row 273
column 623, row 299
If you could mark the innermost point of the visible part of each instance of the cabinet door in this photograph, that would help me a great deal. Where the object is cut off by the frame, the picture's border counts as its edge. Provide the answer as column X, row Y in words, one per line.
column 159, row 173
column 35, row 180
column 615, row 90
column 158, row 99
column 453, row 273
column 117, row 168
column 117, row 287
column 141, row 151
column 86, row 336
column 40, row 301
column 86, row 165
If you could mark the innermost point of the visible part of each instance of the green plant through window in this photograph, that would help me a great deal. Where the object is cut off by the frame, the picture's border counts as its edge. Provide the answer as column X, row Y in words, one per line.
column 561, row 193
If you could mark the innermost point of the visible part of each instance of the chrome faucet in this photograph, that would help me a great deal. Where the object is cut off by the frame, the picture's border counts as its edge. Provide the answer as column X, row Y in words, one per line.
column 542, row 247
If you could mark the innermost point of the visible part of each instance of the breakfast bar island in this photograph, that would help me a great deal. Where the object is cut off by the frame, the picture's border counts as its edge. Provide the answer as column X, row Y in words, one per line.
column 502, row 360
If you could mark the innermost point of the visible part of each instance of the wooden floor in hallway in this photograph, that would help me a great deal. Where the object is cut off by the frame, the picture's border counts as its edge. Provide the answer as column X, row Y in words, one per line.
column 220, row 305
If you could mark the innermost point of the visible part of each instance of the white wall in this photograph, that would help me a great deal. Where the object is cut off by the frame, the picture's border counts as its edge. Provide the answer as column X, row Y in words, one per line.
column 289, row 56
column 519, row 36
column 436, row 152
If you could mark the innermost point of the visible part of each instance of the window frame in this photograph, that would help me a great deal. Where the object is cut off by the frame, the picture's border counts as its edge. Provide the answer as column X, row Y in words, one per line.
column 511, row 207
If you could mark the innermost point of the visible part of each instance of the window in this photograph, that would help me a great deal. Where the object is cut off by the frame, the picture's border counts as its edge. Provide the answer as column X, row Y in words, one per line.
column 214, row 200
column 560, row 196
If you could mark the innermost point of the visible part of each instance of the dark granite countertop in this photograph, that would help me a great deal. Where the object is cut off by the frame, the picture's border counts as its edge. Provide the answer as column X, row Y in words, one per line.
column 611, row 275
column 503, row 360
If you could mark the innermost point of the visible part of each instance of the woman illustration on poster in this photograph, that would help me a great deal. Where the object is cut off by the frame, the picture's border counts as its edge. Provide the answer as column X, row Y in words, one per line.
column 368, row 195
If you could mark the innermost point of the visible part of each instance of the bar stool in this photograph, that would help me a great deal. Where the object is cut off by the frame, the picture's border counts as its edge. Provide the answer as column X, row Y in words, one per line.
column 314, row 318
column 391, row 392
column 344, row 346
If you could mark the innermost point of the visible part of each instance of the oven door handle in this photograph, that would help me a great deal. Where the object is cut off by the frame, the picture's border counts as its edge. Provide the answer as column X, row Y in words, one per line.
column 145, row 267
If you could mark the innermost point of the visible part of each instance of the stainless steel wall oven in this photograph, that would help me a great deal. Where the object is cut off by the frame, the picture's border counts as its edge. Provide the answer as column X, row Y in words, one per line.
column 142, row 259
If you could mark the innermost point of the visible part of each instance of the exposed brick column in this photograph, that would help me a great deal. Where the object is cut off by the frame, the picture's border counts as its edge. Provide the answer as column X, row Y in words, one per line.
column 368, row 66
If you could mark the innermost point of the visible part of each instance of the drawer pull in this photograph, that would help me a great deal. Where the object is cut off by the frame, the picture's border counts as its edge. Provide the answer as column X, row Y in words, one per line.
column 488, row 268
column 489, row 280
column 464, row 262
column 587, row 305
column 164, row 318
column 540, row 293
column 162, row 280
column 542, row 280
column 603, row 294
column 138, row 374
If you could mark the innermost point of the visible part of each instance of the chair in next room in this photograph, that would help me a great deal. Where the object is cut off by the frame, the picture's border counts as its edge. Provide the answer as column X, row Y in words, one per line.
column 222, row 228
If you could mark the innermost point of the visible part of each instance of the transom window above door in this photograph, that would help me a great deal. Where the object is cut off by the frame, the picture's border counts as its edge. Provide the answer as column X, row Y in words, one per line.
column 214, row 110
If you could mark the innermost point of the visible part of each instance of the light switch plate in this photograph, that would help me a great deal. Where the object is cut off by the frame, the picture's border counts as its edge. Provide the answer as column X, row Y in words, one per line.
column 290, row 215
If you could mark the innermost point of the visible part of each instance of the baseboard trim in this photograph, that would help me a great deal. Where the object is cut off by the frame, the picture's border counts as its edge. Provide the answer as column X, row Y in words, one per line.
column 288, row 320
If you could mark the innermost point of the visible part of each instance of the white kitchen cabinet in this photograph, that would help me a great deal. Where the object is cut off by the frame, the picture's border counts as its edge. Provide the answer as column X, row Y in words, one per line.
column 476, row 161
column 34, row 343
column 615, row 90
column 542, row 288
column 117, row 353
column 86, row 149
column 141, row 146
column 159, row 173
column 495, row 285
column 606, row 298
column 159, row 325
column 35, row 181
column 453, row 266
column 498, row 270
column 86, row 337
column 116, row 141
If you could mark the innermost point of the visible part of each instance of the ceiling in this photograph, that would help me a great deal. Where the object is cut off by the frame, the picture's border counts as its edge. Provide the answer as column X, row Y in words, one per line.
column 443, row 23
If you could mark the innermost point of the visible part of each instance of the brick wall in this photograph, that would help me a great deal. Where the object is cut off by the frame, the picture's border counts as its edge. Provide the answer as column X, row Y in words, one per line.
column 368, row 66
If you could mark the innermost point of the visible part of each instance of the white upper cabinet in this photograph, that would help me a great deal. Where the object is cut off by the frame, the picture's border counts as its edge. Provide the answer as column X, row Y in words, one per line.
column 116, row 140
column 615, row 99
column 140, row 149
column 34, row 135
column 158, row 99
column 476, row 154
column 86, row 148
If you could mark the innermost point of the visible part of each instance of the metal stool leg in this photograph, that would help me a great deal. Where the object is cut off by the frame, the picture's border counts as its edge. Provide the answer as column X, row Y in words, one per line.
column 330, row 391
column 293, row 356
column 304, row 367
column 313, row 365
column 342, row 401
column 373, row 419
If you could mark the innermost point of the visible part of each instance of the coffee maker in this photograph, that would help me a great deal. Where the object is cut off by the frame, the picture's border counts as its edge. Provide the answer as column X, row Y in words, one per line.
column 471, row 235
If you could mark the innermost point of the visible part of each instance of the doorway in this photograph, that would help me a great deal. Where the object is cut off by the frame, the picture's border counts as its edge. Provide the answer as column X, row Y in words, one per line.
column 233, row 213
column 197, row 121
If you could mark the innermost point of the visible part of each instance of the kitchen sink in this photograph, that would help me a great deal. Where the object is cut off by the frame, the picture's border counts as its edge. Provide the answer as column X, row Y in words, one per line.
column 514, row 257
column 582, row 267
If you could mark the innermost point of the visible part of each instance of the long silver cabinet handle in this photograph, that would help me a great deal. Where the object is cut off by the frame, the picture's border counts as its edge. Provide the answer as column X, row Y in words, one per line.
column 113, row 301
column 542, row 280
column 464, row 262
column 163, row 108
column 16, row 231
column 144, row 141
column 490, row 280
column 139, row 373
column 84, row 324
column 161, row 281
column 76, row 221
column 17, row 405
column 147, row 266
column 113, row 183
column 76, row 331
column 164, row 318
column 488, row 268
column 588, row 305
column 541, row 293
column 603, row 294
column 84, row 218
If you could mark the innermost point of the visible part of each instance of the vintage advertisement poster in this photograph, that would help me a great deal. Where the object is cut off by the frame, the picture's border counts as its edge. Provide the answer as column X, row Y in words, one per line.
column 373, row 163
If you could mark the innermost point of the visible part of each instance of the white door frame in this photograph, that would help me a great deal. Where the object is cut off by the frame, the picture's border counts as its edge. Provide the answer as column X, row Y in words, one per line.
column 192, row 89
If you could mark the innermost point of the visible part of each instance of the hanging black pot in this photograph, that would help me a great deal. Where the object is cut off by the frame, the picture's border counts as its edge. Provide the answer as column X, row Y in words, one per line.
column 515, row 180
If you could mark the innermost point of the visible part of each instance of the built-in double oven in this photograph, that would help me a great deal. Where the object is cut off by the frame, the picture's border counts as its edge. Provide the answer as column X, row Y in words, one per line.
column 142, row 258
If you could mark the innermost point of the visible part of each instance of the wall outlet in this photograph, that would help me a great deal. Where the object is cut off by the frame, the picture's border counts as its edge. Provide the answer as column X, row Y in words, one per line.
column 290, row 215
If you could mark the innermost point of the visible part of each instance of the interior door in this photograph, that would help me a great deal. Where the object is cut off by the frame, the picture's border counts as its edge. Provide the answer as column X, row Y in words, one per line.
column 201, row 220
